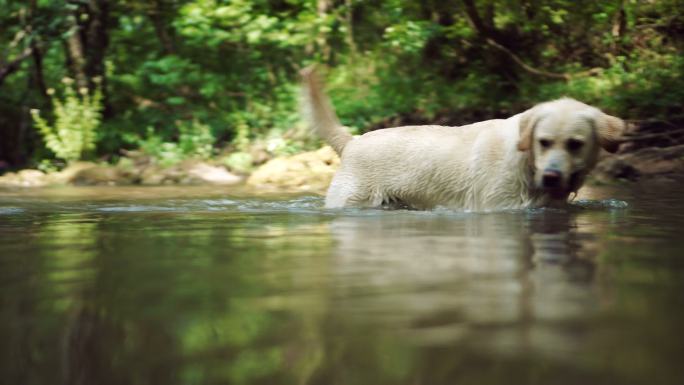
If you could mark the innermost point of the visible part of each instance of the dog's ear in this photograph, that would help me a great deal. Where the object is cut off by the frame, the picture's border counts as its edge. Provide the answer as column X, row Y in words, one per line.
column 609, row 129
column 526, row 126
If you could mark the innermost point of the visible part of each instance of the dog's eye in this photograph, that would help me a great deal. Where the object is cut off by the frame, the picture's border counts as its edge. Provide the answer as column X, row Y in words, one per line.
column 545, row 143
column 574, row 144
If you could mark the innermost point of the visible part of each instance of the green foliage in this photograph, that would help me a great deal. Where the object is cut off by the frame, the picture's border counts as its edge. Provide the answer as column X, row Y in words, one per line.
column 77, row 118
column 195, row 141
column 239, row 161
column 215, row 23
column 233, row 65
column 48, row 166
column 409, row 36
column 634, row 87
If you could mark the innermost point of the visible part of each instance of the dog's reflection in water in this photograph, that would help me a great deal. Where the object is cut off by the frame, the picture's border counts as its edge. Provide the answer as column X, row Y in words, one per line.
column 504, row 279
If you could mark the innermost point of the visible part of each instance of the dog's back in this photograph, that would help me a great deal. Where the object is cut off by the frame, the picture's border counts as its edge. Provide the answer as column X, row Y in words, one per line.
column 425, row 166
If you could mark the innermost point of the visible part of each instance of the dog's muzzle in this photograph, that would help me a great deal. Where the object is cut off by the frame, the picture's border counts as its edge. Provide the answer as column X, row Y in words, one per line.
column 552, row 179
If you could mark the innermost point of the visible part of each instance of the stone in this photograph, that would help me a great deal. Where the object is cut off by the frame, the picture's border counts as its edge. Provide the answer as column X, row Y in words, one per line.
column 206, row 173
column 102, row 175
column 644, row 162
column 69, row 173
column 32, row 178
column 615, row 167
column 24, row 178
column 308, row 171
column 152, row 176
column 188, row 172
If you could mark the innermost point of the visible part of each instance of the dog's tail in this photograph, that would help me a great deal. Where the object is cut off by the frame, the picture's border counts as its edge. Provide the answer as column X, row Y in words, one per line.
column 321, row 113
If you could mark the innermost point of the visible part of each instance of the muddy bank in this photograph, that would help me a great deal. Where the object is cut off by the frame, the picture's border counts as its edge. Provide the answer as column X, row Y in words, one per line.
column 650, row 149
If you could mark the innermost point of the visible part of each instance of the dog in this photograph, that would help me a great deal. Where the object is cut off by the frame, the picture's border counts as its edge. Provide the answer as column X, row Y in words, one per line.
column 533, row 159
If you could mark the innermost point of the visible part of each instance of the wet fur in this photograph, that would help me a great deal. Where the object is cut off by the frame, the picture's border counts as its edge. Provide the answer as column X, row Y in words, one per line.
column 489, row 165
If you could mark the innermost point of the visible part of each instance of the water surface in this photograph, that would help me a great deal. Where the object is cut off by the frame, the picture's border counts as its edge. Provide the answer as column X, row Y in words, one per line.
column 198, row 285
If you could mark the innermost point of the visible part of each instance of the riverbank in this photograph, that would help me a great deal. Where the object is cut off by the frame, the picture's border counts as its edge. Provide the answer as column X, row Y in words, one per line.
column 649, row 150
column 307, row 171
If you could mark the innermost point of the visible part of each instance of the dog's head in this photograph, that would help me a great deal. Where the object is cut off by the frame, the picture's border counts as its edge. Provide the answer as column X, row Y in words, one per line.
column 563, row 138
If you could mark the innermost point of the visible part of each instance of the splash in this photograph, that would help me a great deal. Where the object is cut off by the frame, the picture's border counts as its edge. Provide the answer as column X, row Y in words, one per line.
column 605, row 204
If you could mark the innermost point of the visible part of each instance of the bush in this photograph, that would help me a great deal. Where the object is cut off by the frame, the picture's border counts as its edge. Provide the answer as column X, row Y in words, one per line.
column 77, row 119
column 195, row 140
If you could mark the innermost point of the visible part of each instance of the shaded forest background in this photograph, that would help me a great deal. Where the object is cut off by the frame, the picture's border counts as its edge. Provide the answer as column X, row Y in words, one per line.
column 205, row 76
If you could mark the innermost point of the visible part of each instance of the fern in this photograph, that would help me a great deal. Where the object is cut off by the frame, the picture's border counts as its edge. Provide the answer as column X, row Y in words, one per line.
column 77, row 118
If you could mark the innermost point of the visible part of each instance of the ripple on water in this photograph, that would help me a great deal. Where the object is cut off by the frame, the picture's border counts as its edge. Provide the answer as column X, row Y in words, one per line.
column 11, row 210
column 301, row 204
column 137, row 208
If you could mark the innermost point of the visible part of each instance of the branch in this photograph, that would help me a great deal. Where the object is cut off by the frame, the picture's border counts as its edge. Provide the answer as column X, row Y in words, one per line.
column 673, row 121
column 526, row 66
column 637, row 138
column 492, row 37
column 11, row 67
column 18, row 37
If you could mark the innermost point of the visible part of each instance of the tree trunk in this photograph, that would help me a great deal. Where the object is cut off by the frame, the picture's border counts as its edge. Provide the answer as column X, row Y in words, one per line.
column 349, row 21
column 433, row 47
column 98, row 41
column 87, row 45
column 75, row 47
column 619, row 28
column 38, row 70
column 157, row 15
column 37, row 55
column 323, row 6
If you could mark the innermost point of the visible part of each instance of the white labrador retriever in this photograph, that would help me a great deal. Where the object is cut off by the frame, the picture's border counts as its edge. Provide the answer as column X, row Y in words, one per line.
column 536, row 158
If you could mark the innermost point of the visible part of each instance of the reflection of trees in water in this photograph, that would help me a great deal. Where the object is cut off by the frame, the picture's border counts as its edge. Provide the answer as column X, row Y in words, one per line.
column 52, row 262
column 196, row 303
column 22, row 295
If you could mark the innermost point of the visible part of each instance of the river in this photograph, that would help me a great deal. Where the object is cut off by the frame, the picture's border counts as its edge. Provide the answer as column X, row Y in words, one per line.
column 198, row 285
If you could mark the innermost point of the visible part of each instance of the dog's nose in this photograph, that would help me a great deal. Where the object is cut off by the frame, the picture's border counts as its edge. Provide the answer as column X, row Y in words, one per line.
column 551, row 178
